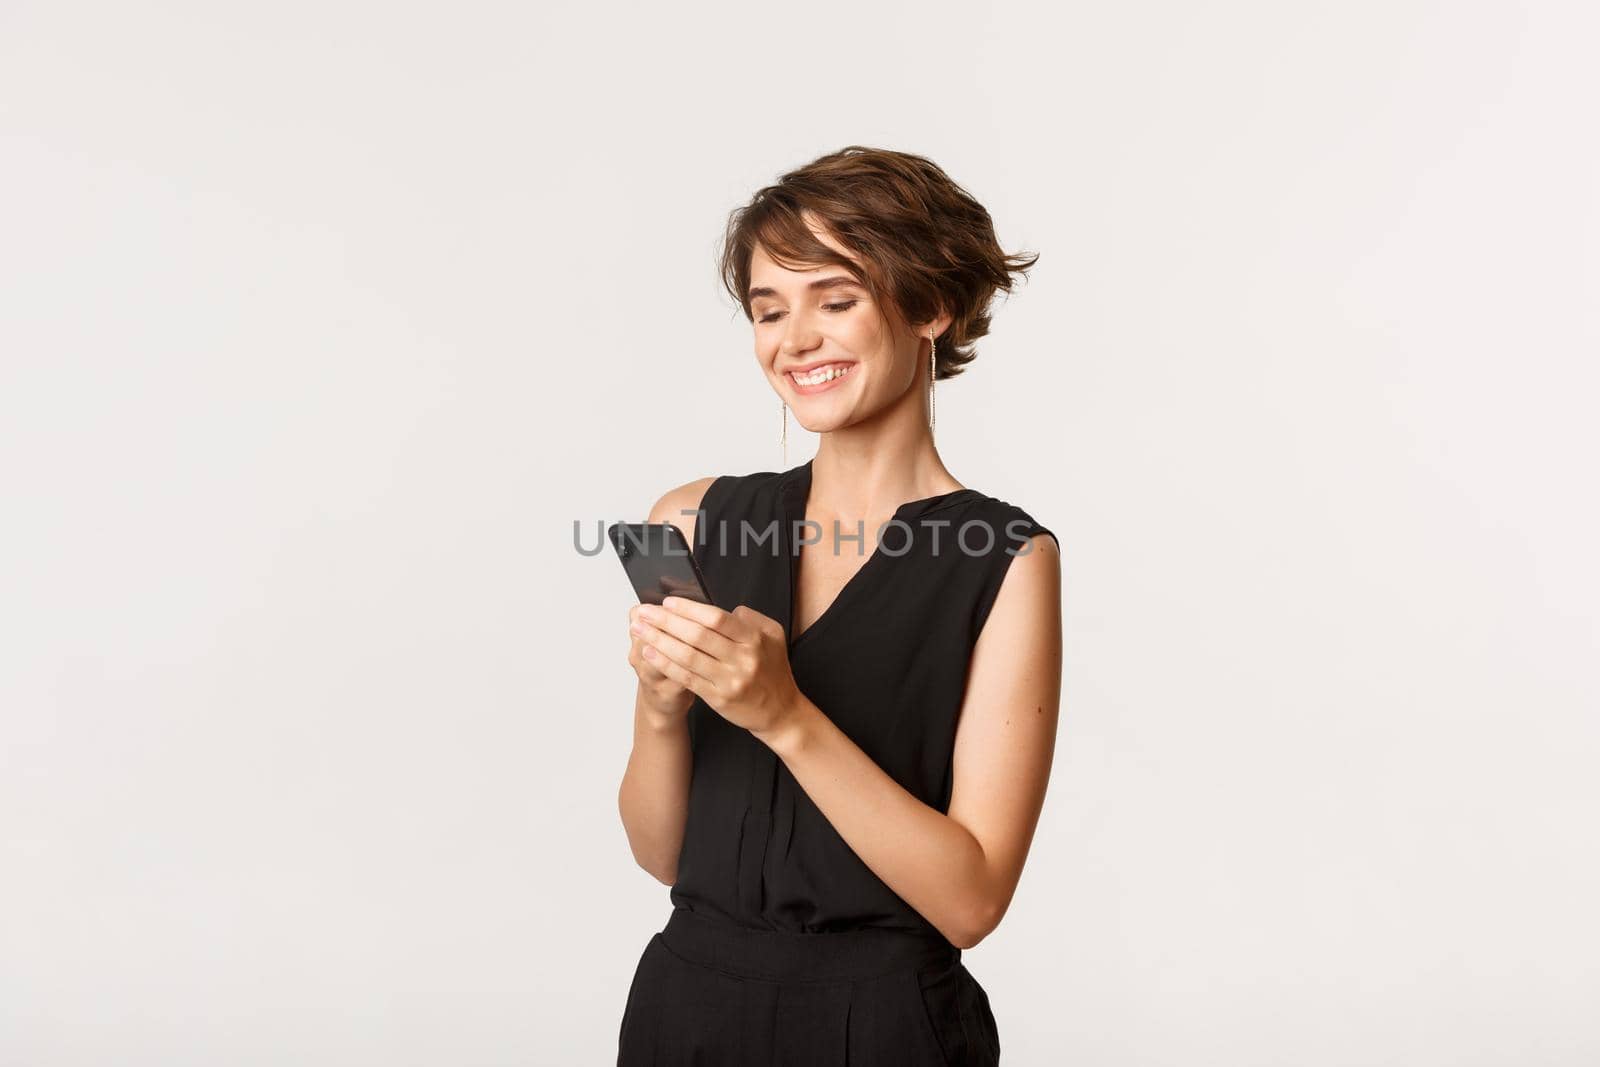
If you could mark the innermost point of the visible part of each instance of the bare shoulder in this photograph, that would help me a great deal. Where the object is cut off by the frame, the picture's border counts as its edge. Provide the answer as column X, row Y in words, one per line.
column 1025, row 620
column 1041, row 555
column 681, row 504
column 1032, row 583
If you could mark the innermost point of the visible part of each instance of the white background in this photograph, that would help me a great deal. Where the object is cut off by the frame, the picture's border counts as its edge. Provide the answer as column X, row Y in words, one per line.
column 322, row 323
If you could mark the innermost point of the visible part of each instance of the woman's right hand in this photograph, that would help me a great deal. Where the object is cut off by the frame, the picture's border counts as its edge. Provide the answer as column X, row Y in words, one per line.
column 661, row 694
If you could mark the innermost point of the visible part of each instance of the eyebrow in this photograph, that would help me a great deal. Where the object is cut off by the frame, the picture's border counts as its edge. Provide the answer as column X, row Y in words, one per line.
column 830, row 282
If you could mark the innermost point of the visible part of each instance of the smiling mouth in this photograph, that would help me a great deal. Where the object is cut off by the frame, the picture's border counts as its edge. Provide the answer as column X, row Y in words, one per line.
column 816, row 380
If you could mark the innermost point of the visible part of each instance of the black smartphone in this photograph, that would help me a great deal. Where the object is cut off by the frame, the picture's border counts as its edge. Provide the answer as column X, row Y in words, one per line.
column 658, row 560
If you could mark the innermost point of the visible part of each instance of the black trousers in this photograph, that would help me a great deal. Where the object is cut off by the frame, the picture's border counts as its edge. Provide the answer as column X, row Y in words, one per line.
column 708, row 993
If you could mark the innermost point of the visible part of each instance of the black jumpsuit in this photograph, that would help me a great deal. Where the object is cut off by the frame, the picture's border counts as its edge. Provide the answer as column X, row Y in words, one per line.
column 782, row 946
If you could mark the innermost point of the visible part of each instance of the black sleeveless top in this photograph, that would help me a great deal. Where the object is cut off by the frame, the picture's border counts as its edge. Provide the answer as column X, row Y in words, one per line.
column 886, row 662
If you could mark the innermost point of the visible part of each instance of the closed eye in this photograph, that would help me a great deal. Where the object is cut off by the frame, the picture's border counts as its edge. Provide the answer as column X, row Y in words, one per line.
column 841, row 306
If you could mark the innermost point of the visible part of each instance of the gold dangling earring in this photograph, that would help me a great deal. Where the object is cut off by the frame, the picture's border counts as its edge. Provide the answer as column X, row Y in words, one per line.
column 933, row 363
column 785, row 438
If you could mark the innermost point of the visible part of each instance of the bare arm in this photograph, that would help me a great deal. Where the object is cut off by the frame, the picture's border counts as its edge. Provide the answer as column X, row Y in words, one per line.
column 653, row 798
column 959, row 870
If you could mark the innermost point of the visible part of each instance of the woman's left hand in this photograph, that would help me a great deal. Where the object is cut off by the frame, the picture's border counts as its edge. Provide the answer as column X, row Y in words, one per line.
column 737, row 662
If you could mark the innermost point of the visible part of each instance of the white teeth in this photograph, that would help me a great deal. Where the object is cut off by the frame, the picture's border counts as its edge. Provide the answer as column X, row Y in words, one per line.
column 826, row 374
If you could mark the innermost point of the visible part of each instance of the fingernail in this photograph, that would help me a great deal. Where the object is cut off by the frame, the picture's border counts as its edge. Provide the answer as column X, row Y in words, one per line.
column 636, row 629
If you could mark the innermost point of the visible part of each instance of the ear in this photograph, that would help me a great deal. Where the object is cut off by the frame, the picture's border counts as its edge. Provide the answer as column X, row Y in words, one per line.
column 936, row 325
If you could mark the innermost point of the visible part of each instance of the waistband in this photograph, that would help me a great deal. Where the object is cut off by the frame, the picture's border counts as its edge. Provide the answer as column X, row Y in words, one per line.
column 788, row 955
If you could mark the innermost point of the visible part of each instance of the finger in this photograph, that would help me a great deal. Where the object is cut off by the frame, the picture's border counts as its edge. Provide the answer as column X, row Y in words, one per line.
column 633, row 624
column 708, row 615
column 690, row 631
column 756, row 624
column 643, row 667
column 679, row 652
column 648, row 668
column 691, row 681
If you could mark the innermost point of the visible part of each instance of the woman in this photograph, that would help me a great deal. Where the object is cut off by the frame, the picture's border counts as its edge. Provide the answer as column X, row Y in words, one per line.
column 839, row 767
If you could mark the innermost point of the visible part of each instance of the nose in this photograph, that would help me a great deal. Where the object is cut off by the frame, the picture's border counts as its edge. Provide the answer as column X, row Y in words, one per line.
column 799, row 336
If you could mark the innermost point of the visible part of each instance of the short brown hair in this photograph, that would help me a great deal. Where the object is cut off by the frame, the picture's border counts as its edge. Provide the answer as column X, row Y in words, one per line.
column 925, row 244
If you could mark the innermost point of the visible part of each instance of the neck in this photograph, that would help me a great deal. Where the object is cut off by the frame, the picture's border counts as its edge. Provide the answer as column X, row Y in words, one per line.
column 867, row 470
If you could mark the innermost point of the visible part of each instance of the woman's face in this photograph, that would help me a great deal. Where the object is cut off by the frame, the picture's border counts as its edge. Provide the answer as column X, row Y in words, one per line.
column 823, row 325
